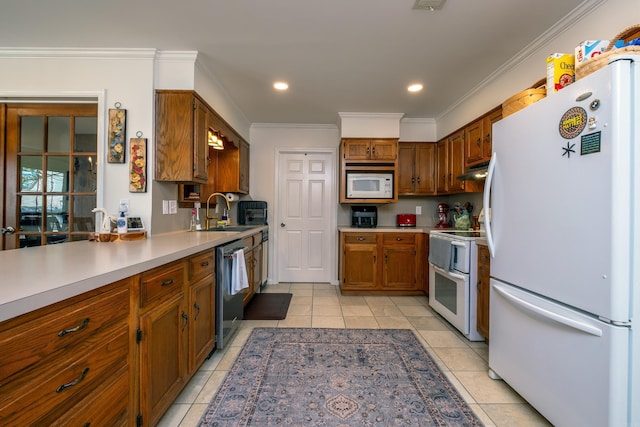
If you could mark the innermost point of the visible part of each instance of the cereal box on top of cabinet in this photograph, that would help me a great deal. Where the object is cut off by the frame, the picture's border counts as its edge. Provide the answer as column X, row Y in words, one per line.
column 560, row 71
column 589, row 49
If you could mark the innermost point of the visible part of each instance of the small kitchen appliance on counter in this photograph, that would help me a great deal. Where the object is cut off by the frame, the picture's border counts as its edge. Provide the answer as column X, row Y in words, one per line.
column 252, row 212
column 443, row 216
column 406, row 220
column 364, row 216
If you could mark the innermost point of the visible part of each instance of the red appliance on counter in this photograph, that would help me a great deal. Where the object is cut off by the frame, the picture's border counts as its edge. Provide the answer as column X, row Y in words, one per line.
column 406, row 220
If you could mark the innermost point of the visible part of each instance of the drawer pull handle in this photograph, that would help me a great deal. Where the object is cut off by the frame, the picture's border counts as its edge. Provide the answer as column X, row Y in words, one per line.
column 197, row 307
column 185, row 319
column 399, row 239
column 74, row 382
column 168, row 282
column 360, row 239
column 82, row 325
column 204, row 264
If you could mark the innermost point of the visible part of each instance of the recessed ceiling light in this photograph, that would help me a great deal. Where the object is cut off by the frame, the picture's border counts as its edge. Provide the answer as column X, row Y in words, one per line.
column 417, row 87
column 281, row 85
column 430, row 5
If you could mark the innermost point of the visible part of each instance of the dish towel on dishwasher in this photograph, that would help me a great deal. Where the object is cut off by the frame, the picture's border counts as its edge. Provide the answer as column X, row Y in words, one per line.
column 239, row 279
column 440, row 253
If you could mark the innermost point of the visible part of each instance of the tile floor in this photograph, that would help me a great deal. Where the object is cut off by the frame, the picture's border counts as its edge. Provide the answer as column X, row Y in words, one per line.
column 322, row 306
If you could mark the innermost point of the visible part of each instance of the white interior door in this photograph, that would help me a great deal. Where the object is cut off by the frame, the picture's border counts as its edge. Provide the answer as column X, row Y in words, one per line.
column 306, row 215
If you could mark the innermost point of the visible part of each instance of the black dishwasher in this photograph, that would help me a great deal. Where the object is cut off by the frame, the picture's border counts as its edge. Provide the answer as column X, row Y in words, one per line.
column 229, row 308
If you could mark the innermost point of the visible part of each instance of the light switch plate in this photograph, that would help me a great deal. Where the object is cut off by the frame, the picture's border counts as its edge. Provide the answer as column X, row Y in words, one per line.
column 165, row 207
column 418, row 210
column 173, row 207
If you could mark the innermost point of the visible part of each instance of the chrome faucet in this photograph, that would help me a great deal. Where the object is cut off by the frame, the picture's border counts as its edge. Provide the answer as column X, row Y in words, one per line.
column 206, row 213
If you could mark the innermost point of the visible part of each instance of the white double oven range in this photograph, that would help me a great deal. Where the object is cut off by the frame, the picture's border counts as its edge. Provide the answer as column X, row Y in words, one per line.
column 453, row 278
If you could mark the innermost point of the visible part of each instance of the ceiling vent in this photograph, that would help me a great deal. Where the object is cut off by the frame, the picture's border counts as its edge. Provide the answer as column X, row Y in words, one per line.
column 430, row 5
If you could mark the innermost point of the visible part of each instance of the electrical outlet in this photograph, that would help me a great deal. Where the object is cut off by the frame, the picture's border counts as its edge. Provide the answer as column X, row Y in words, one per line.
column 165, row 207
column 124, row 206
column 173, row 207
column 418, row 210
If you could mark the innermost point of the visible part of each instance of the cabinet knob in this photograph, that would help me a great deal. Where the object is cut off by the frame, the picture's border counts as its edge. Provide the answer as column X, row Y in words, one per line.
column 282, row 224
column 8, row 230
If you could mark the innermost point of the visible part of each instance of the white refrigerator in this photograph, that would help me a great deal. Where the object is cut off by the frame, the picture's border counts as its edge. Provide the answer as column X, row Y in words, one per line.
column 563, row 188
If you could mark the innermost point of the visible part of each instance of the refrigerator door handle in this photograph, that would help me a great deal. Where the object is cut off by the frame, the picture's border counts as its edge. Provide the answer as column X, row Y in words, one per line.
column 486, row 206
column 527, row 306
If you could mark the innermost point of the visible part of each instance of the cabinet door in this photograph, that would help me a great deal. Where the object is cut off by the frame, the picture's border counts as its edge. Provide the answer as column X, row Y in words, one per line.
column 248, row 292
column 243, row 180
column 202, row 321
column 200, row 141
column 163, row 355
column 482, row 309
column 442, row 168
column 473, row 142
column 356, row 149
column 399, row 268
column 425, row 168
column 257, row 268
column 384, row 149
column 487, row 130
column 456, row 162
column 359, row 261
column 406, row 163
column 233, row 168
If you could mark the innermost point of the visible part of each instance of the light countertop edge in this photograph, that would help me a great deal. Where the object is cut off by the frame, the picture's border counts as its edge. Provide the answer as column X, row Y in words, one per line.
column 36, row 277
column 383, row 229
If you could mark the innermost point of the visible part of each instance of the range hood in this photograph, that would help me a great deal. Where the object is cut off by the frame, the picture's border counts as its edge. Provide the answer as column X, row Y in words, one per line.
column 475, row 173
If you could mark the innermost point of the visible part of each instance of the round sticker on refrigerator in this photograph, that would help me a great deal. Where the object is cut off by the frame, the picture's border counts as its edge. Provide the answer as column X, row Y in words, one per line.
column 573, row 122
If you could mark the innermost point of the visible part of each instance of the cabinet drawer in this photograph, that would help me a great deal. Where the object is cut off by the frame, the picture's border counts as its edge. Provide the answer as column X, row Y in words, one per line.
column 161, row 282
column 398, row 239
column 28, row 344
column 43, row 395
column 110, row 408
column 201, row 265
column 360, row 238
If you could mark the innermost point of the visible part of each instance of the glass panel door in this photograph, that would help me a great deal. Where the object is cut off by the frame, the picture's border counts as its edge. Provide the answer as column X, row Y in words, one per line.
column 51, row 173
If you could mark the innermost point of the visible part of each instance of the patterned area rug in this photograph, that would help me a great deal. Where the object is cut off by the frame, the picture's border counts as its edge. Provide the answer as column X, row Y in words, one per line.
column 336, row 377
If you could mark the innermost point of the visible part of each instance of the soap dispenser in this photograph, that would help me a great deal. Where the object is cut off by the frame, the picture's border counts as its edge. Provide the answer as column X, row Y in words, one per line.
column 122, row 223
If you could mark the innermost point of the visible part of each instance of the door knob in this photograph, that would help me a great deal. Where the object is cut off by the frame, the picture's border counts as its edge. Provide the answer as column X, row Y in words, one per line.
column 282, row 224
column 8, row 230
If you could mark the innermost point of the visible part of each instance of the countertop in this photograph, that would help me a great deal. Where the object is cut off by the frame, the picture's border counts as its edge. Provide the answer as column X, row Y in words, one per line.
column 35, row 277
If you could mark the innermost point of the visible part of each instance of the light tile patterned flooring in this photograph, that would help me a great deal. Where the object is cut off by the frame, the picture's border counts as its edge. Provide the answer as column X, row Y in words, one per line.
column 322, row 306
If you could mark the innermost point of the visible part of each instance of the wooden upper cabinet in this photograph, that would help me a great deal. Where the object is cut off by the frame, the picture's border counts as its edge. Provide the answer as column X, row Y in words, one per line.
column 456, row 162
column 473, row 143
column 233, row 168
column 361, row 149
column 487, row 127
column 416, row 168
column 442, row 167
column 182, row 119
column 450, row 165
column 478, row 138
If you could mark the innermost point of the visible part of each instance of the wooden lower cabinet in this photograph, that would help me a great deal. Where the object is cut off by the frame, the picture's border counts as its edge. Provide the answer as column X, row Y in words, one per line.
column 253, row 262
column 176, row 332
column 57, row 359
column 482, row 309
column 163, row 357
column 115, row 356
column 383, row 263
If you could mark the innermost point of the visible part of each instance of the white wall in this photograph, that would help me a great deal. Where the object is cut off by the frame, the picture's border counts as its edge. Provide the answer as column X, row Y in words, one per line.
column 599, row 19
column 129, row 77
column 109, row 77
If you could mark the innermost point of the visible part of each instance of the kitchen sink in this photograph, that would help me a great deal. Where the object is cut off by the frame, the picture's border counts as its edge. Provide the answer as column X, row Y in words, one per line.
column 232, row 228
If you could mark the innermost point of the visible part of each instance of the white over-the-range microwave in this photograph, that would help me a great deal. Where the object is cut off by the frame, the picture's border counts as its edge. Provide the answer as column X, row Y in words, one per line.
column 369, row 185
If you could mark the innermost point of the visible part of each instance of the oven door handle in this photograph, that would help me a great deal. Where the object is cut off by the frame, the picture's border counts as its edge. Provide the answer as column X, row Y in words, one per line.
column 448, row 273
